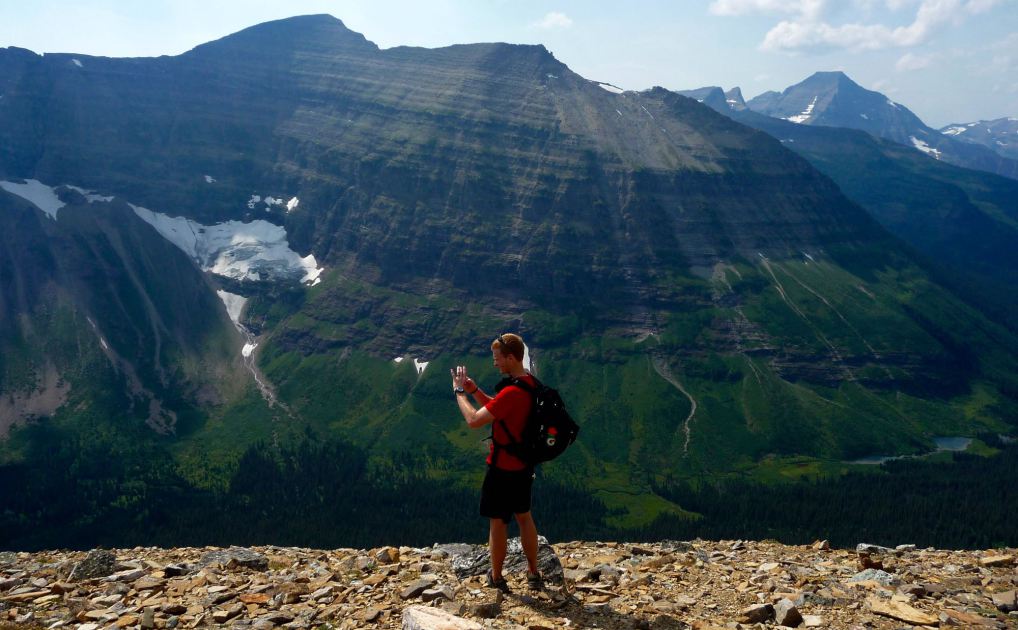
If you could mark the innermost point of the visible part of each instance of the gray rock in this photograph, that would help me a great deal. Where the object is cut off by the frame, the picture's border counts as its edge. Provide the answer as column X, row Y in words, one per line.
column 468, row 560
column 786, row 614
column 98, row 563
column 443, row 591
column 148, row 618
column 675, row 546
column 235, row 557
column 875, row 575
column 867, row 548
column 756, row 614
column 415, row 589
column 7, row 558
column 487, row 610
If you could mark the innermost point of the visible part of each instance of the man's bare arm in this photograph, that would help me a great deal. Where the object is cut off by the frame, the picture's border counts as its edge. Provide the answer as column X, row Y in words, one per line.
column 476, row 418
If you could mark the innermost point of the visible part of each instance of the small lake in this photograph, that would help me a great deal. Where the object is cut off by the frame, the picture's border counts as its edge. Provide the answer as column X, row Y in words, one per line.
column 943, row 444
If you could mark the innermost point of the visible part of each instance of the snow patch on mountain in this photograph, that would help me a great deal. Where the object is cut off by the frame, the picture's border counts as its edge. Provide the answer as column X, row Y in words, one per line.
column 90, row 195
column 420, row 366
column 614, row 89
column 925, row 148
column 806, row 113
column 954, row 131
column 290, row 205
column 234, row 305
column 210, row 180
column 77, row 63
column 242, row 251
column 38, row 193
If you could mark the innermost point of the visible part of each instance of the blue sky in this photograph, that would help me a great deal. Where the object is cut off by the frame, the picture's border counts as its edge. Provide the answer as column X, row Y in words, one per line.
column 947, row 60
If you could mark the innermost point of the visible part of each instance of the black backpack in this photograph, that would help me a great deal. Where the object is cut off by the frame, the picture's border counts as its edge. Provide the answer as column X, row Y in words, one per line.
column 549, row 429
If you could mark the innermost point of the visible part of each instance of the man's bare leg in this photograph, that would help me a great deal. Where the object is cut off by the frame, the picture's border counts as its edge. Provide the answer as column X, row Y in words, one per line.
column 528, row 538
column 497, row 541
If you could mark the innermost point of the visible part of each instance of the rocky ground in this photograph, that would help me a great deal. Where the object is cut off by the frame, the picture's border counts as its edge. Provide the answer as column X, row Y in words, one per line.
column 699, row 584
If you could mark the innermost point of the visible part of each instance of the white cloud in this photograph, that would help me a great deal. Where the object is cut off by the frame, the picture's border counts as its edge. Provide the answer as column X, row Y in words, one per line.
column 911, row 61
column 554, row 19
column 805, row 26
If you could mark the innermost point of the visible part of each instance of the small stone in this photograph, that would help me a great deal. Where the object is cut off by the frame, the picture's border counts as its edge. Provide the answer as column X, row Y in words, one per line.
column 875, row 575
column 1006, row 601
column 432, row 594
column 371, row 614
column 387, row 555
column 996, row 561
column 488, row 610
column 173, row 608
column 758, row 613
column 416, row 588
column 813, row 621
column 786, row 614
column 148, row 618
column 822, row 545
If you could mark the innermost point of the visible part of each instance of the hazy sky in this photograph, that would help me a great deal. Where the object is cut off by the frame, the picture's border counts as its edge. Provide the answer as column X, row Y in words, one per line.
column 947, row 60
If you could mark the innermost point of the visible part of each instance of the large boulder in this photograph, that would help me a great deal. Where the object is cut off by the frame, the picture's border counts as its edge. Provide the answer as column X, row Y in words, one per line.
column 98, row 563
column 425, row 618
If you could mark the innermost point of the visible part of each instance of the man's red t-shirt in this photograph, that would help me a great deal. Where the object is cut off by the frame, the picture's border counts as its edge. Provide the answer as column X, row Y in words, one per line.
column 512, row 405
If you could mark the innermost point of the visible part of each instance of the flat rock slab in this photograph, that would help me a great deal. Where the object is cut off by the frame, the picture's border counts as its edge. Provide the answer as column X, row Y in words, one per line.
column 424, row 618
column 469, row 560
column 902, row 612
column 237, row 557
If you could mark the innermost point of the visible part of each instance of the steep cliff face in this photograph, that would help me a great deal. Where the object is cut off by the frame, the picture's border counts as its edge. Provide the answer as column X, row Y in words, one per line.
column 94, row 298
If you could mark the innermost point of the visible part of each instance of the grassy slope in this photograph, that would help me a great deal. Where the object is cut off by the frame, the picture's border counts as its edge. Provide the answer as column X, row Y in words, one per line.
column 900, row 361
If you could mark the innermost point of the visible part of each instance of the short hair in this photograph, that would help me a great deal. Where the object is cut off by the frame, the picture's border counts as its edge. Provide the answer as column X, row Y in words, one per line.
column 510, row 344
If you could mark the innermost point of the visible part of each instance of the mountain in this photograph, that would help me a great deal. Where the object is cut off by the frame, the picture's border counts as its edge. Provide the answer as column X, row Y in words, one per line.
column 832, row 99
column 1000, row 135
column 963, row 222
column 710, row 304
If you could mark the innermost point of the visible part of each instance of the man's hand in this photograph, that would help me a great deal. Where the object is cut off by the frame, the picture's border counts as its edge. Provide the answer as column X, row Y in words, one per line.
column 459, row 377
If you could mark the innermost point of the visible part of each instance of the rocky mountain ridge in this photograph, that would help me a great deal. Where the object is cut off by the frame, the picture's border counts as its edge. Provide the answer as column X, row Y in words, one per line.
column 1000, row 135
column 668, row 585
column 833, row 99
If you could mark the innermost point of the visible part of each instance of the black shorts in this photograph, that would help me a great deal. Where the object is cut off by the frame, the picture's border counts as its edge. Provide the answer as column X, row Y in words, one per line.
column 506, row 492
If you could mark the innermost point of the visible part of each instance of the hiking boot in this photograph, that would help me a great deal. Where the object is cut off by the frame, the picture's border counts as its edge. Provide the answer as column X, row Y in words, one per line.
column 499, row 584
column 535, row 581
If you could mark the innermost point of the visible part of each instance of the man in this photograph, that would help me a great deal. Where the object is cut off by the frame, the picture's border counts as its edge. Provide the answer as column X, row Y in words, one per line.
column 508, row 481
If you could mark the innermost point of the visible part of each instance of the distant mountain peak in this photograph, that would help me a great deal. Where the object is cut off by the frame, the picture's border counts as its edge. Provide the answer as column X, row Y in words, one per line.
column 318, row 30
